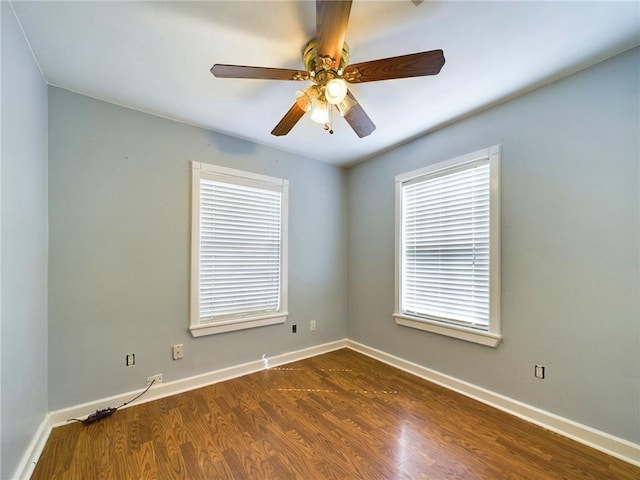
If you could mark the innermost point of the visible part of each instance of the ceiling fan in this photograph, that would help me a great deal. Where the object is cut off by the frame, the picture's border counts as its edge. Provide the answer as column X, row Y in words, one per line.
column 326, row 60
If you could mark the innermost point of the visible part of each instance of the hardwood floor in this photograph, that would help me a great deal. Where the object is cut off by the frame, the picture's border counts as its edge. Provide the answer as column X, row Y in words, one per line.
column 340, row 415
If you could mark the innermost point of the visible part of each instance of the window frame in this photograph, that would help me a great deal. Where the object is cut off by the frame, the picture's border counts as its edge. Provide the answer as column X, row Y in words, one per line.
column 492, row 335
column 218, row 173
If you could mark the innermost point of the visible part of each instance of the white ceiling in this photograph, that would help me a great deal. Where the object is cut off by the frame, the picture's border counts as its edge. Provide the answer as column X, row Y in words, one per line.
column 155, row 57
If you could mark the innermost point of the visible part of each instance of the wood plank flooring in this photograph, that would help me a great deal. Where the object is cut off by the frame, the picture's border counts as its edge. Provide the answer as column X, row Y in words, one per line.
column 340, row 415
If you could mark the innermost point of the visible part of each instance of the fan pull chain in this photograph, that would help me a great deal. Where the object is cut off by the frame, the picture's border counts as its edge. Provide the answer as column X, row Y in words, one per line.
column 327, row 126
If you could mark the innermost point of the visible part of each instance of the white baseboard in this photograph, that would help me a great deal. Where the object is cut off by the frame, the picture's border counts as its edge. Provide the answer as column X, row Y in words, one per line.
column 617, row 447
column 32, row 454
column 60, row 417
column 609, row 444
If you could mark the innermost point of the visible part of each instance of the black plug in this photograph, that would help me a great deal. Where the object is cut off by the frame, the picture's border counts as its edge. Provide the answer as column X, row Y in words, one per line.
column 99, row 415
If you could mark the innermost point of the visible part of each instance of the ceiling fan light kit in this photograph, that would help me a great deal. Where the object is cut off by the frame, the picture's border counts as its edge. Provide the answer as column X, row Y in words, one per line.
column 305, row 98
column 326, row 60
column 335, row 91
column 320, row 113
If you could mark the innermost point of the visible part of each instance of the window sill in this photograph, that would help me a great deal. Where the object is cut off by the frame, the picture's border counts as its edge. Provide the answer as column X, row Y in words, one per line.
column 468, row 334
column 214, row 328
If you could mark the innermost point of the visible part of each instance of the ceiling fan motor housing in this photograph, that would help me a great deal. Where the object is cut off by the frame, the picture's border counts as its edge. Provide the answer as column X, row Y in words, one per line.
column 316, row 65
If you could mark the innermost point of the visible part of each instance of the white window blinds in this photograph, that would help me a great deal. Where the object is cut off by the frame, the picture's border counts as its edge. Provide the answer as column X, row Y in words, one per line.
column 240, row 251
column 445, row 245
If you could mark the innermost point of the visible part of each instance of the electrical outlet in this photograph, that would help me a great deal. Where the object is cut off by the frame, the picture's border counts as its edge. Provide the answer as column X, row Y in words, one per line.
column 177, row 352
column 312, row 325
column 539, row 372
column 130, row 360
column 157, row 378
column 294, row 328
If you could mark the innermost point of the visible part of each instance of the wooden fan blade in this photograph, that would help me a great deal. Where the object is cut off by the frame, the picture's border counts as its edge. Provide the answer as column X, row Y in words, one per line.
column 289, row 120
column 332, row 19
column 404, row 66
column 358, row 118
column 264, row 73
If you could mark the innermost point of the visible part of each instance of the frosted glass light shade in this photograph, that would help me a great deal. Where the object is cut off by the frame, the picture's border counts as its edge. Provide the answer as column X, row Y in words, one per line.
column 345, row 105
column 320, row 112
column 335, row 91
column 306, row 97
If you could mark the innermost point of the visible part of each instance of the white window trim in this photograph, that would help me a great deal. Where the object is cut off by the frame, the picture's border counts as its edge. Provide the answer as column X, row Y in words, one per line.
column 492, row 336
column 197, row 329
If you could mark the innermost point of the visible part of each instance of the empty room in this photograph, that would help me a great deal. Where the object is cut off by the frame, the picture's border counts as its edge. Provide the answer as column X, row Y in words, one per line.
column 364, row 240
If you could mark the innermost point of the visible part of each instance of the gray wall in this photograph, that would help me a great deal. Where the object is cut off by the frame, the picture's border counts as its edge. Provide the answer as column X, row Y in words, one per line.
column 570, row 256
column 23, row 319
column 119, row 192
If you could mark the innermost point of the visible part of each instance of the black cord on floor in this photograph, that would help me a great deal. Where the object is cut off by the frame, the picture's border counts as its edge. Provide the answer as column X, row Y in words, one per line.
column 145, row 391
column 107, row 412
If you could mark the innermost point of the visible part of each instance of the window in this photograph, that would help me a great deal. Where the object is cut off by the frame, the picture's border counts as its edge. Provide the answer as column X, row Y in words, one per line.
column 448, row 248
column 238, row 250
